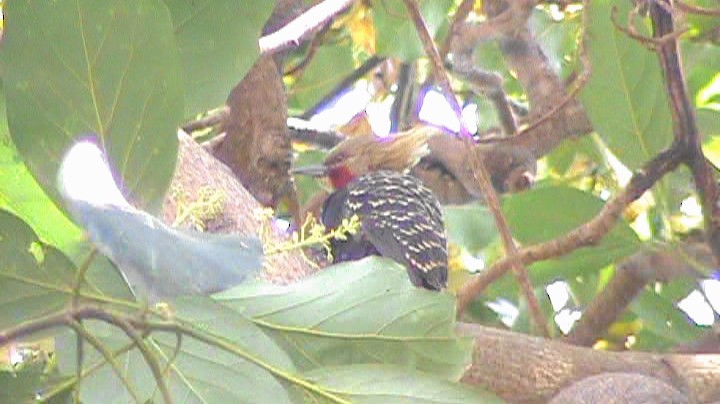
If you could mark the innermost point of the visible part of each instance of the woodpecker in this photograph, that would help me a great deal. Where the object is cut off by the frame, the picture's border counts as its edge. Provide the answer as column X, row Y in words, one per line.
column 399, row 217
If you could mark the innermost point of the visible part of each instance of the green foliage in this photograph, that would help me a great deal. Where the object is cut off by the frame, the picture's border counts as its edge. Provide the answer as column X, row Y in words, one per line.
column 396, row 34
column 247, row 370
column 471, row 226
column 35, row 278
column 661, row 317
column 545, row 213
column 132, row 70
column 21, row 194
column 329, row 66
column 625, row 96
column 216, row 49
column 325, row 322
column 111, row 68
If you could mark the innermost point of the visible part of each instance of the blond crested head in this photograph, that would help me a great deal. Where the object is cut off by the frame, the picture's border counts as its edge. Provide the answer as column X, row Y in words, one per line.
column 365, row 153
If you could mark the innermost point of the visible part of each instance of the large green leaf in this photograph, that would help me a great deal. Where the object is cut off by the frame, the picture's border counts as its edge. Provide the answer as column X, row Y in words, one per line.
column 21, row 194
column 35, row 279
column 218, row 41
column 625, row 96
column 244, row 370
column 364, row 311
column 545, row 213
column 388, row 384
column 396, row 34
column 113, row 68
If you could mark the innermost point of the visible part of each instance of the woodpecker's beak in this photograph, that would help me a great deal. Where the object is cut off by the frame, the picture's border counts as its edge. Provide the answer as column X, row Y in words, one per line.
column 318, row 170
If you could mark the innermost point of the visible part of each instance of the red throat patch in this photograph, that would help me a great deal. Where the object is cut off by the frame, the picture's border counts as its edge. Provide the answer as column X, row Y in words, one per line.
column 340, row 176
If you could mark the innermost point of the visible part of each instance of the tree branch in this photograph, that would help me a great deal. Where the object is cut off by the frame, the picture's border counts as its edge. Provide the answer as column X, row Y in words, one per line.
column 684, row 122
column 479, row 171
column 533, row 369
column 584, row 235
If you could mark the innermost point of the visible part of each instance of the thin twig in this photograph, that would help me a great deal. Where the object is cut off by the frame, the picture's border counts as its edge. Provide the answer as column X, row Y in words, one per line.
column 461, row 14
column 130, row 325
column 438, row 70
column 692, row 9
column 479, row 170
column 348, row 81
column 309, row 55
column 403, row 111
column 305, row 132
column 106, row 354
column 139, row 342
column 649, row 42
column 214, row 119
column 80, row 276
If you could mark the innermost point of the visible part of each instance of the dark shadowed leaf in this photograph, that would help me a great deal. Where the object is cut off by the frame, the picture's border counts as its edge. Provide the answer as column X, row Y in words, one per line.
column 22, row 385
column 217, row 47
column 390, row 384
column 625, row 96
column 109, row 67
column 364, row 311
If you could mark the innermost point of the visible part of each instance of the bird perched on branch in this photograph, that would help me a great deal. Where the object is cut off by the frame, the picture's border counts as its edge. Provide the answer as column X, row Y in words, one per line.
column 399, row 217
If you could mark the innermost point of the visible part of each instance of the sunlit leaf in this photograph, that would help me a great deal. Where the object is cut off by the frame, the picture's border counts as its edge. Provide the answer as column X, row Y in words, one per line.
column 36, row 279
column 21, row 194
column 364, row 311
column 112, row 68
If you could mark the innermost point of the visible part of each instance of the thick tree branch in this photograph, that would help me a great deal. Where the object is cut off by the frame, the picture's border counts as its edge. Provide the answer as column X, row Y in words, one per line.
column 533, row 369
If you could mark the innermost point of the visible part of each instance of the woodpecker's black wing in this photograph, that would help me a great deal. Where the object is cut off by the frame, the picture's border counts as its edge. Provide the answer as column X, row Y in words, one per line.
column 402, row 219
